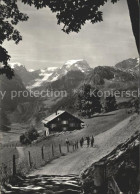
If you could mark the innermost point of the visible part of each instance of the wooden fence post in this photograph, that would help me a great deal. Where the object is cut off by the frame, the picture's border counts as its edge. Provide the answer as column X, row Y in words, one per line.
column 52, row 150
column 67, row 147
column 14, row 165
column 30, row 163
column 60, row 148
column 42, row 153
column 73, row 147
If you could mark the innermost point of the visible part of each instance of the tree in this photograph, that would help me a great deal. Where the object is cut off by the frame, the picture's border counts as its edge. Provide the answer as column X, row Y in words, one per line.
column 110, row 103
column 29, row 136
column 136, row 105
column 9, row 17
column 88, row 103
column 4, row 121
column 72, row 13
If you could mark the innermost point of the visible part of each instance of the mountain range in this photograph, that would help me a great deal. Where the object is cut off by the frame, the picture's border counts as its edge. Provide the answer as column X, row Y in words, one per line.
column 37, row 78
column 72, row 75
column 125, row 70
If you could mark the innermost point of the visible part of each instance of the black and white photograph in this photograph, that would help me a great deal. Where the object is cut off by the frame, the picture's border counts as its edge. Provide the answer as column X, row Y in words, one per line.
column 69, row 97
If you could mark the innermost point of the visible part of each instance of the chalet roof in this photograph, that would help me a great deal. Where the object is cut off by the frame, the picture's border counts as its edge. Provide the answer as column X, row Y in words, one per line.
column 55, row 115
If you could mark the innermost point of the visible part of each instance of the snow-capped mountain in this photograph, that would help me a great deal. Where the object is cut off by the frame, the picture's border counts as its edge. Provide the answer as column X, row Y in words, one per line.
column 37, row 78
column 15, row 65
column 32, row 78
column 31, row 70
column 71, row 65
column 43, row 76
column 52, row 74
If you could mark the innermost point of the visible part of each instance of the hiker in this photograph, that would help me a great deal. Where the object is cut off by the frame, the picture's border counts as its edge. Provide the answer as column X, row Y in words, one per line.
column 92, row 141
column 75, row 145
column 67, row 141
column 88, row 141
column 81, row 142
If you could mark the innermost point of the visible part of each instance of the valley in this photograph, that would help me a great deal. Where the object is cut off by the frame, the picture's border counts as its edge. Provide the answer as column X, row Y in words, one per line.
column 24, row 112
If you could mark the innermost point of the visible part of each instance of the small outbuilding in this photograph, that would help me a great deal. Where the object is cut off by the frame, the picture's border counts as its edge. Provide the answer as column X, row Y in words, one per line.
column 62, row 121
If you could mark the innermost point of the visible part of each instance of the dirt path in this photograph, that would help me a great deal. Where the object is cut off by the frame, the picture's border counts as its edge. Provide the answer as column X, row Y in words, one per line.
column 21, row 154
column 79, row 160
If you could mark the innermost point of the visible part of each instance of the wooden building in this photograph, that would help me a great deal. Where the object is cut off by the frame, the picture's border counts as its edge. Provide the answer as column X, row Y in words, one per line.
column 62, row 121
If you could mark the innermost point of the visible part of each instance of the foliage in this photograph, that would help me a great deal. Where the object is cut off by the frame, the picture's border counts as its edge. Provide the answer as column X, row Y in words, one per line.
column 4, row 121
column 9, row 17
column 73, row 13
column 88, row 101
column 29, row 136
column 136, row 105
column 110, row 103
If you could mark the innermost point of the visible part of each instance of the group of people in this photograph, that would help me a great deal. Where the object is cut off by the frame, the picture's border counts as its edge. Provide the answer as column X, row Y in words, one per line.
column 89, row 141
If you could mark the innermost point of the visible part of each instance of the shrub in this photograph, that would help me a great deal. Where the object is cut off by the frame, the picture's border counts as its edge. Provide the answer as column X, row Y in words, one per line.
column 29, row 136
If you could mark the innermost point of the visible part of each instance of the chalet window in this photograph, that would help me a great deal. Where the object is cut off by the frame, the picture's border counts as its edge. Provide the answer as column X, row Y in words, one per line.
column 53, row 126
column 64, row 128
column 72, row 124
column 64, row 122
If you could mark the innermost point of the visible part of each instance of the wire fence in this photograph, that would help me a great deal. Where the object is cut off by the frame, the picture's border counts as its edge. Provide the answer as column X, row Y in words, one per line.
column 33, row 158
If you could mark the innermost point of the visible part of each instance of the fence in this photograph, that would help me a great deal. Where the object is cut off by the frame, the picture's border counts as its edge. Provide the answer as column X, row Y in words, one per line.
column 33, row 157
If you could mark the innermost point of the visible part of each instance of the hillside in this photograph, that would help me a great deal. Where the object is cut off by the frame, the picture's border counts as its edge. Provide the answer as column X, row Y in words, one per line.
column 26, row 76
column 130, row 65
column 15, row 107
column 12, row 86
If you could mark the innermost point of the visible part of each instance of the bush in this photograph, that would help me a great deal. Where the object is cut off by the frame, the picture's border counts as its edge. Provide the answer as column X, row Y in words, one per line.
column 29, row 136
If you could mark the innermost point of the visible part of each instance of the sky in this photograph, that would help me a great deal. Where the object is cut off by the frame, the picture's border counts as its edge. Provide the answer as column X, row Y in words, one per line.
column 45, row 45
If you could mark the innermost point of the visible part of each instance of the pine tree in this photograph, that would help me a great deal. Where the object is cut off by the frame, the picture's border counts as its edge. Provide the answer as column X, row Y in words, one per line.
column 96, row 102
column 136, row 105
column 110, row 103
column 88, row 103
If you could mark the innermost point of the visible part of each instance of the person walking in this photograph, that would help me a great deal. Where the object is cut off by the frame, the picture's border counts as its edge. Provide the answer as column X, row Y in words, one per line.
column 88, row 141
column 92, row 141
column 82, row 141
column 67, row 141
column 75, row 144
